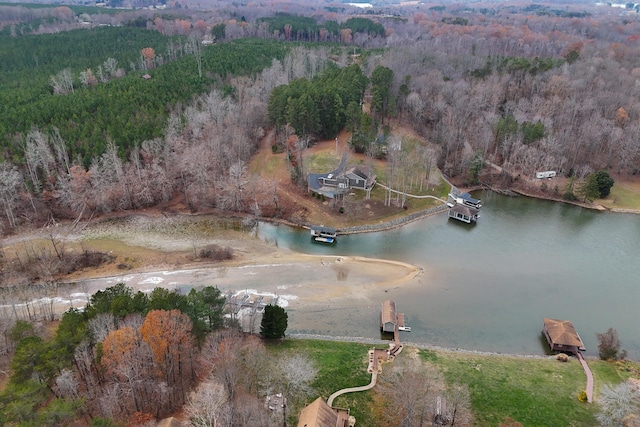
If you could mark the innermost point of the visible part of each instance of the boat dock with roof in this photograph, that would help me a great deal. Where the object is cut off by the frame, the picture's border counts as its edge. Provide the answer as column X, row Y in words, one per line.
column 323, row 234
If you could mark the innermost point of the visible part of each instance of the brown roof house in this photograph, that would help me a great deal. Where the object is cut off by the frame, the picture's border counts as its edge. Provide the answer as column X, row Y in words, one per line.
column 388, row 316
column 320, row 414
column 562, row 336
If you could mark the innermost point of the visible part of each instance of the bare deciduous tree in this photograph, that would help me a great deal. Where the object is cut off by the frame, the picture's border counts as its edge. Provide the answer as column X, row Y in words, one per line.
column 207, row 406
column 62, row 83
column 39, row 157
column 609, row 345
column 11, row 185
column 408, row 395
column 296, row 373
column 193, row 47
column 101, row 326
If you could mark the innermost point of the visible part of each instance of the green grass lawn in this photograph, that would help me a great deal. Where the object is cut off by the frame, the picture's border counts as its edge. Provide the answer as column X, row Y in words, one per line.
column 322, row 162
column 532, row 391
column 342, row 365
column 621, row 198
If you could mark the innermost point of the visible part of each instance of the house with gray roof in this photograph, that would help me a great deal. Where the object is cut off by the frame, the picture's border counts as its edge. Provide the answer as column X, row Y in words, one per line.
column 340, row 181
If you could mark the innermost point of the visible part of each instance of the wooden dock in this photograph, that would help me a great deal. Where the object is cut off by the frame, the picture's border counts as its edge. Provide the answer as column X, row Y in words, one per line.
column 587, row 371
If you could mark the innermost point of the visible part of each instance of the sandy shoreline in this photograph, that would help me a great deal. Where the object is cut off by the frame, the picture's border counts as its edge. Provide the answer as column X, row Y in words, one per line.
column 161, row 252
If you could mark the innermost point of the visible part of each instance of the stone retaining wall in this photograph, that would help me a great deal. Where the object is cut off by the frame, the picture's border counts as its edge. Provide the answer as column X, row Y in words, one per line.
column 393, row 224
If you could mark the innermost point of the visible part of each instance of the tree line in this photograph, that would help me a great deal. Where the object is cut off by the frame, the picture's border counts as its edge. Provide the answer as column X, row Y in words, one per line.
column 469, row 91
column 303, row 28
column 109, row 103
column 137, row 357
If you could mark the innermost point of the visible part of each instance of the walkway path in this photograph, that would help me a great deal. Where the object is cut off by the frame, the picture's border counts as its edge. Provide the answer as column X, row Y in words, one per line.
column 375, row 356
column 589, row 377
column 427, row 196
column 374, row 377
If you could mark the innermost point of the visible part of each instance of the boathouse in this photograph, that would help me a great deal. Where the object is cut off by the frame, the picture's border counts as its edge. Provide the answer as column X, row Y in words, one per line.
column 562, row 336
column 467, row 200
column 323, row 234
column 320, row 414
column 388, row 317
column 464, row 213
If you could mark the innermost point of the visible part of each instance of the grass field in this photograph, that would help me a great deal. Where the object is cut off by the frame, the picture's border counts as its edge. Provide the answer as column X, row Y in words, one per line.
column 622, row 197
column 341, row 365
column 532, row 391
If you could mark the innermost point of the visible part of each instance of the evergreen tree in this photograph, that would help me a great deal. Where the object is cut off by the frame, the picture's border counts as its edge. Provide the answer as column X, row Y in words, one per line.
column 381, row 96
column 604, row 183
column 274, row 322
column 589, row 189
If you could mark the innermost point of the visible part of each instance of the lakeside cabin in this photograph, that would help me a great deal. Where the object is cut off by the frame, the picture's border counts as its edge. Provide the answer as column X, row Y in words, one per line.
column 323, row 234
column 390, row 319
column 562, row 336
column 464, row 213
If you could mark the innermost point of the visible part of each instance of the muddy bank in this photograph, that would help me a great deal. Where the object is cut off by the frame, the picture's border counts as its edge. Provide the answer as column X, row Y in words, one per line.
column 150, row 252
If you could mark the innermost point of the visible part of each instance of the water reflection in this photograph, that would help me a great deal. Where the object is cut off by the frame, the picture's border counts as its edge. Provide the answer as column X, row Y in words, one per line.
column 488, row 286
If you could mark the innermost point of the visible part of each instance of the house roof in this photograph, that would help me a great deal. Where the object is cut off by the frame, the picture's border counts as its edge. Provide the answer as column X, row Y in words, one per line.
column 359, row 172
column 467, row 197
column 388, row 313
column 318, row 414
column 315, row 184
column 321, row 228
column 465, row 210
column 562, row 333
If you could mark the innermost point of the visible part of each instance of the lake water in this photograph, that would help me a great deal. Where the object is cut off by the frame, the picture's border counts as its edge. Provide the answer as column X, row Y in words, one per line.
column 487, row 286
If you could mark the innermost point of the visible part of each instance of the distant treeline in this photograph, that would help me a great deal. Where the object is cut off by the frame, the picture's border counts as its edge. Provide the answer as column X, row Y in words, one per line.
column 308, row 29
column 126, row 110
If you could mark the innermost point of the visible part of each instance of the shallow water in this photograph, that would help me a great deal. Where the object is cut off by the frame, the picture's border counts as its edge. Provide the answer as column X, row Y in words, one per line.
column 488, row 286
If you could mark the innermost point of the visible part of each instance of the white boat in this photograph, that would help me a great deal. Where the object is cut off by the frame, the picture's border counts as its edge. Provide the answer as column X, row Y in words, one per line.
column 404, row 328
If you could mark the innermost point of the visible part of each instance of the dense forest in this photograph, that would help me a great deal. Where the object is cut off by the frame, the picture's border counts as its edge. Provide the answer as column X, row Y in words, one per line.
column 107, row 110
column 105, row 116
column 81, row 130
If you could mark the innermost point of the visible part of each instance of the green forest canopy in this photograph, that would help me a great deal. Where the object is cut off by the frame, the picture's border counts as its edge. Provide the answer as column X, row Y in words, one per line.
column 305, row 28
column 127, row 110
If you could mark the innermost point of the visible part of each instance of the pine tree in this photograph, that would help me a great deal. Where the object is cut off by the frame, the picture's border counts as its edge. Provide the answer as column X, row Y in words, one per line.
column 274, row 322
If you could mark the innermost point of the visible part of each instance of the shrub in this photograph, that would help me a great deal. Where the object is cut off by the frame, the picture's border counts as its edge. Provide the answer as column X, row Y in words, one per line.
column 216, row 253
column 582, row 396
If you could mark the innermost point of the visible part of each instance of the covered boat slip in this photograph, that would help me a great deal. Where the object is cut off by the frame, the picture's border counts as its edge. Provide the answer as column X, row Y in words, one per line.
column 464, row 213
column 323, row 234
column 562, row 336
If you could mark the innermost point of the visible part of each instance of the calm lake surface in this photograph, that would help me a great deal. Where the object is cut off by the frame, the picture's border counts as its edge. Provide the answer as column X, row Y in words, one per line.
column 487, row 286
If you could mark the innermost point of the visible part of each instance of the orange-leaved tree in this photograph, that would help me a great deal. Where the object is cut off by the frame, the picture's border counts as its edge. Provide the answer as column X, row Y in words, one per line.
column 168, row 334
column 127, row 360
column 148, row 54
